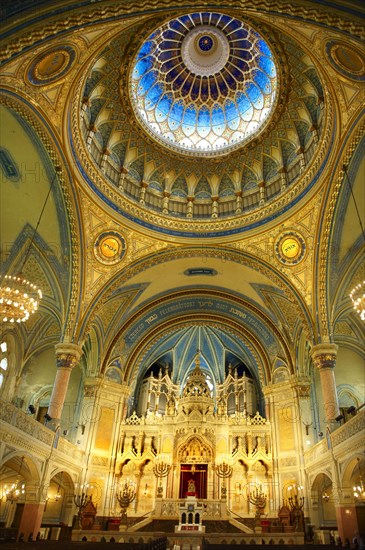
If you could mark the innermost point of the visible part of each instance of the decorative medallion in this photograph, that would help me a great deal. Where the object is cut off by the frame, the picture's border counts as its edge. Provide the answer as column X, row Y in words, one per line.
column 203, row 83
column 346, row 60
column 109, row 247
column 51, row 65
column 290, row 248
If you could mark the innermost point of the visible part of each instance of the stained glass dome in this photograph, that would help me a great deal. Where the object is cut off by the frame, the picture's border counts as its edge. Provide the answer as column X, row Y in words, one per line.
column 203, row 83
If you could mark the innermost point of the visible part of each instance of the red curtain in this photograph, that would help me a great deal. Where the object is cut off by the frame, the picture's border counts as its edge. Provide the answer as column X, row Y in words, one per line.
column 197, row 473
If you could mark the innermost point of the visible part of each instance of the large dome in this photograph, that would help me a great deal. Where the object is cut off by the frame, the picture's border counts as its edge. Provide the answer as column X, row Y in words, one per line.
column 203, row 82
column 203, row 125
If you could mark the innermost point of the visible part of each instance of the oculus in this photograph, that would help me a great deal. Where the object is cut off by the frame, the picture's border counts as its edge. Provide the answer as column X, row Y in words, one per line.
column 203, row 83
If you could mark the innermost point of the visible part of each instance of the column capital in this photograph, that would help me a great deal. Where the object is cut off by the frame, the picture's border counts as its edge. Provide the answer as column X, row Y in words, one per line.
column 67, row 354
column 324, row 355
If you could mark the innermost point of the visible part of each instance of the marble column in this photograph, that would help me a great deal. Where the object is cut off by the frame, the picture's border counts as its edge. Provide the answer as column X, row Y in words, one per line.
column 67, row 356
column 324, row 358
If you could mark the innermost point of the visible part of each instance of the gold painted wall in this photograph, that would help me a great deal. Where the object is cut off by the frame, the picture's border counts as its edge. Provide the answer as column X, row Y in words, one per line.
column 105, row 429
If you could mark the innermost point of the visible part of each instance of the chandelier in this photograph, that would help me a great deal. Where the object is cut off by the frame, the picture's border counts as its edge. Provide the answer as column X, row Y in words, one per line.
column 19, row 298
column 357, row 296
column 359, row 488
column 16, row 489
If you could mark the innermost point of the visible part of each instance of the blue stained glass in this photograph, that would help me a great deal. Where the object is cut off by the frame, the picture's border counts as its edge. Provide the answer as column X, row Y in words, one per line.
column 168, row 45
column 267, row 65
column 190, row 116
column 204, row 118
column 142, row 67
column 231, row 111
column 166, row 56
column 224, row 20
column 203, row 126
column 169, row 34
column 262, row 80
column 147, row 82
column 185, row 20
column 243, row 104
column 264, row 48
column 177, row 112
column 146, row 48
column 163, row 108
column 176, row 25
column 180, row 97
column 153, row 96
column 252, row 92
column 218, row 115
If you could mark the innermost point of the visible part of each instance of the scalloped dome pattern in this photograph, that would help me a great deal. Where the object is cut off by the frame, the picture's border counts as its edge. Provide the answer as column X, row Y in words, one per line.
column 203, row 82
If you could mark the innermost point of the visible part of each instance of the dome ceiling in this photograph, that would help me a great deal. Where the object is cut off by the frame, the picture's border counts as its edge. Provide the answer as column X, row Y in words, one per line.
column 204, row 82
column 171, row 171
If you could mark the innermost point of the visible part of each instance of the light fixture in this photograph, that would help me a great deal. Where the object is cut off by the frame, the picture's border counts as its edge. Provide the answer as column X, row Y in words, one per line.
column 359, row 488
column 325, row 495
column 19, row 298
column 357, row 294
column 16, row 489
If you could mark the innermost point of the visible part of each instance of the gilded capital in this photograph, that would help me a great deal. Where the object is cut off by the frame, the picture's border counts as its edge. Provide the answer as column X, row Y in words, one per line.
column 67, row 355
column 324, row 355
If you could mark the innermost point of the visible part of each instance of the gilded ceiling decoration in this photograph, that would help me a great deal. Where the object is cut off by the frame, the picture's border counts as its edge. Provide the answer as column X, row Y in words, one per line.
column 200, row 85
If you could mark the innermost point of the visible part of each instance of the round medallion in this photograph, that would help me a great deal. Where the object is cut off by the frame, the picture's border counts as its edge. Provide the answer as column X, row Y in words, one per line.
column 346, row 60
column 290, row 248
column 205, row 43
column 109, row 247
column 51, row 65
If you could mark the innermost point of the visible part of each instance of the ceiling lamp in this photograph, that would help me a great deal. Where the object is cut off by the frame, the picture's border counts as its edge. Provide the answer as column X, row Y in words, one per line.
column 19, row 298
column 357, row 294
column 325, row 495
column 16, row 489
column 359, row 487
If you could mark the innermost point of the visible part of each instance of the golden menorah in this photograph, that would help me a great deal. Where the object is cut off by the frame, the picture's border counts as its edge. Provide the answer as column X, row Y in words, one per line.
column 224, row 470
column 257, row 497
column 125, row 495
column 161, row 469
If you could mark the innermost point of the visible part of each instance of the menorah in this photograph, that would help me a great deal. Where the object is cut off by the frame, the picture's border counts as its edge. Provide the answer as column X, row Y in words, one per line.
column 295, row 503
column 125, row 496
column 81, row 499
column 257, row 497
column 161, row 469
column 224, row 470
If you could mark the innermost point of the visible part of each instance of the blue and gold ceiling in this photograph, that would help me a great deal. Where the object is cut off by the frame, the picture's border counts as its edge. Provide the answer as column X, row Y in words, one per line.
column 203, row 81
column 250, row 124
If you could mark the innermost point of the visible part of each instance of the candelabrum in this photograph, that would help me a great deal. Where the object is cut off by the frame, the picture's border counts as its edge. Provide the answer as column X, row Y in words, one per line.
column 126, row 495
column 161, row 469
column 81, row 500
column 295, row 502
column 224, row 470
column 257, row 497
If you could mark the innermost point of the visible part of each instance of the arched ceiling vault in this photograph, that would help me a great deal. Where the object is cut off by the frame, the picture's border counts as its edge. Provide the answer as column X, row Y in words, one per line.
column 220, row 308
column 244, row 275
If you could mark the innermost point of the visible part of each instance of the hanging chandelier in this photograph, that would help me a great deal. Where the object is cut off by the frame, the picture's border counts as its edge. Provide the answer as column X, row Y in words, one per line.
column 19, row 298
column 16, row 489
column 357, row 296
column 359, row 488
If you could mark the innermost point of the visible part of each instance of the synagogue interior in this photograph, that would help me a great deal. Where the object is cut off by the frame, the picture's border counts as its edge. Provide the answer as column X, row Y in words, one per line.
column 182, row 281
